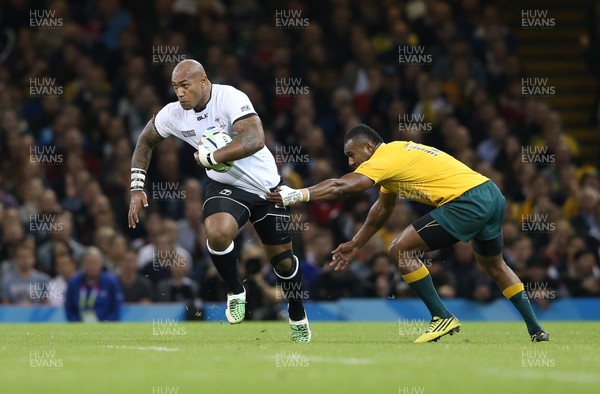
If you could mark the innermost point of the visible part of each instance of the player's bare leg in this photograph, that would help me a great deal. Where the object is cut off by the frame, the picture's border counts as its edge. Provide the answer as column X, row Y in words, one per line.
column 221, row 229
column 289, row 276
column 514, row 291
column 406, row 251
column 498, row 270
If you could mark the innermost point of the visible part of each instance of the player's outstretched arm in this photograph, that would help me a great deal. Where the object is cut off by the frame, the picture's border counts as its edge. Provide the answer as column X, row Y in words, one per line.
column 139, row 165
column 250, row 139
column 326, row 190
column 378, row 214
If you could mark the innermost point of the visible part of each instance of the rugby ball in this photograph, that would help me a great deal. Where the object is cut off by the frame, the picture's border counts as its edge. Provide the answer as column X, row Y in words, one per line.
column 215, row 138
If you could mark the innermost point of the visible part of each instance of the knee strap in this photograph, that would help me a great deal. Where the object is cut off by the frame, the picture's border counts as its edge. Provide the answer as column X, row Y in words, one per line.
column 211, row 251
column 288, row 254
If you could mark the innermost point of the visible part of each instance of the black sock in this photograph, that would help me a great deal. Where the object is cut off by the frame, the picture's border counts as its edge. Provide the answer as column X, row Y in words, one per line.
column 226, row 263
column 292, row 289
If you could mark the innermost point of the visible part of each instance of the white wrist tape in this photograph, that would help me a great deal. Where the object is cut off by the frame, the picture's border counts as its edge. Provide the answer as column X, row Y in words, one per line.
column 207, row 159
column 138, row 178
column 291, row 196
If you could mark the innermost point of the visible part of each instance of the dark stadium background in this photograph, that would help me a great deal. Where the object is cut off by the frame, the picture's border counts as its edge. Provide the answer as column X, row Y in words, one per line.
column 514, row 96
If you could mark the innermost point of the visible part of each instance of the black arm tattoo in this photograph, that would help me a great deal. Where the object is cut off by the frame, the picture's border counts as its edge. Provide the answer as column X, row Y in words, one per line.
column 250, row 139
column 146, row 142
column 251, row 134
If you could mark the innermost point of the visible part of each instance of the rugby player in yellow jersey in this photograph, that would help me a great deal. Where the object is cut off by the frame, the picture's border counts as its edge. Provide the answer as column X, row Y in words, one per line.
column 469, row 207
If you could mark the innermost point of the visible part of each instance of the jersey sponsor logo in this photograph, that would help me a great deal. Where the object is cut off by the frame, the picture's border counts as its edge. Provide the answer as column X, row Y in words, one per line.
column 202, row 116
column 245, row 108
column 423, row 148
column 188, row 133
column 225, row 192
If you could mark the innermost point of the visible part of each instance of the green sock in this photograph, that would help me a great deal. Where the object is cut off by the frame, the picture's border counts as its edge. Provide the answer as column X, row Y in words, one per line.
column 521, row 302
column 421, row 283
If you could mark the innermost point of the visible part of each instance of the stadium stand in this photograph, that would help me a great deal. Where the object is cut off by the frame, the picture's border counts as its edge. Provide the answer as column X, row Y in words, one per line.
column 78, row 86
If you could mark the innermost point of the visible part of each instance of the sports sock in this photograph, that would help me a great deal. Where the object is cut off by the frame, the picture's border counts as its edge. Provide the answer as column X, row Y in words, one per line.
column 518, row 296
column 226, row 263
column 421, row 283
column 291, row 285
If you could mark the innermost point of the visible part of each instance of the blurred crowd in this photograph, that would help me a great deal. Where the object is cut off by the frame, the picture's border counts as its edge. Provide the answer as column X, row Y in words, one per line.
column 65, row 149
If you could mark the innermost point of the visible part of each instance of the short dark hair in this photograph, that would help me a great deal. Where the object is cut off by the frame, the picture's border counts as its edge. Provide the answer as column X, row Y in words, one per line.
column 363, row 131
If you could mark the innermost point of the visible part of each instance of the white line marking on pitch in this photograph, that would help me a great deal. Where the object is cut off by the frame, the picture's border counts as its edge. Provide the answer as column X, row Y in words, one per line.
column 340, row 360
column 547, row 374
column 155, row 348
column 333, row 360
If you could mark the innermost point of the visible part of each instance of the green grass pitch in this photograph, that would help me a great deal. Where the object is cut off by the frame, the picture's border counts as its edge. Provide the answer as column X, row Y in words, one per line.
column 178, row 357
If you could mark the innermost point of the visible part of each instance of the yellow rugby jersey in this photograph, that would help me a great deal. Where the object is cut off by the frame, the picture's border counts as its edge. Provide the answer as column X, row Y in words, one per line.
column 419, row 172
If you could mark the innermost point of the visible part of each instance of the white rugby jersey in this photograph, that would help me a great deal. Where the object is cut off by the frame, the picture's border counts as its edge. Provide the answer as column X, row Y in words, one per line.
column 256, row 173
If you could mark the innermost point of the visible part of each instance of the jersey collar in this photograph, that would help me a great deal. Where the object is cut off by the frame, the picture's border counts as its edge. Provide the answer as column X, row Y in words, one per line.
column 207, row 101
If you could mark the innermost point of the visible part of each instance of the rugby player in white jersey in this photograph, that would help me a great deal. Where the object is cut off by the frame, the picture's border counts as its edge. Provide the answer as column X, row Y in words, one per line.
column 232, row 197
